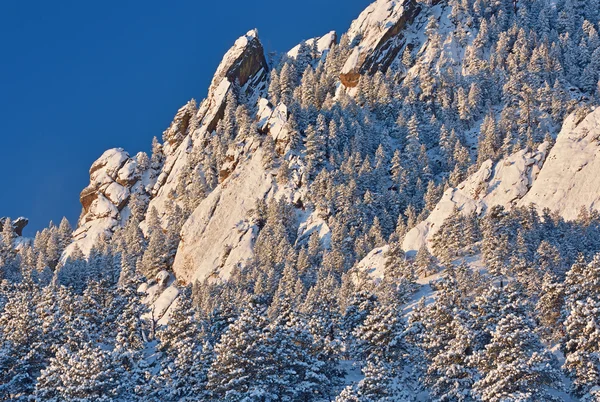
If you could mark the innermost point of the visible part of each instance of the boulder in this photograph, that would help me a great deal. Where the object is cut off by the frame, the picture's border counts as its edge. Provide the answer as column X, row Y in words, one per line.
column 17, row 224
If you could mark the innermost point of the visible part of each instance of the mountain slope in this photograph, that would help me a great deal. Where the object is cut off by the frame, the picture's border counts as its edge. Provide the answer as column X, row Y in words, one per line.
column 257, row 252
column 561, row 180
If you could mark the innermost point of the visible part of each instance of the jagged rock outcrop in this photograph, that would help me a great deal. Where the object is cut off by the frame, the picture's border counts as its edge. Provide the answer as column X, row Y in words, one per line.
column 379, row 34
column 272, row 120
column 18, row 224
column 244, row 63
column 181, row 126
column 113, row 178
column 323, row 44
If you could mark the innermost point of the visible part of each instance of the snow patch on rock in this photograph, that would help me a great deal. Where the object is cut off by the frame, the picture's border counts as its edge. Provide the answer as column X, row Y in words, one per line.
column 374, row 263
column 160, row 295
column 311, row 222
column 564, row 180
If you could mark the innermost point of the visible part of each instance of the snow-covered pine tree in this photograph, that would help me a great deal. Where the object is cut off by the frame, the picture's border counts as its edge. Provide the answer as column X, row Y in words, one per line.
column 515, row 365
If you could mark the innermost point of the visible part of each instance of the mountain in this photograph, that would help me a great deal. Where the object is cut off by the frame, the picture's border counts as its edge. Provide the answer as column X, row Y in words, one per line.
column 404, row 211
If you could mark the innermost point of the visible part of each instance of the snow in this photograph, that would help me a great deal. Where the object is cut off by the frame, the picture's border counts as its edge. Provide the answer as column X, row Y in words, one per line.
column 374, row 263
column 108, row 164
column 161, row 294
column 116, row 193
column 112, row 177
column 373, row 21
column 277, row 123
column 177, row 159
column 425, row 292
column 310, row 223
column 273, row 120
column 562, row 180
column 88, row 234
column 502, row 183
column 239, row 47
column 161, row 306
column 264, row 113
column 373, row 24
column 352, row 371
column 216, row 237
column 103, row 208
column 174, row 165
column 221, row 91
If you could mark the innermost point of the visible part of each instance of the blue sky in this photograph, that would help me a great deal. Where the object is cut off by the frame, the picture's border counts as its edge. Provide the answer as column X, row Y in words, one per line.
column 79, row 77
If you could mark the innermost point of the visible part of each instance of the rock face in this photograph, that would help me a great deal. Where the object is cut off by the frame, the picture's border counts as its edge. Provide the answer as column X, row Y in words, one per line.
column 323, row 44
column 379, row 34
column 179, row 128
column 503, row 183
column 219, row 235
column 113, row 178
column 273, row 121
column 569, row 179
column 160, row 295
column 563, row 180
column 17, row 224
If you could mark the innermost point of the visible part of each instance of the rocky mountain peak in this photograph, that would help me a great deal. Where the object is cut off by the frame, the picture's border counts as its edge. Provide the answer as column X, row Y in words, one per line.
column 242, row 61
column 244, row 64
column 378, row 35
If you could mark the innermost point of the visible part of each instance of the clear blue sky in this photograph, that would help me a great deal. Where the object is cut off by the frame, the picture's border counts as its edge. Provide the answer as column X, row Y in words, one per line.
column 79, row 77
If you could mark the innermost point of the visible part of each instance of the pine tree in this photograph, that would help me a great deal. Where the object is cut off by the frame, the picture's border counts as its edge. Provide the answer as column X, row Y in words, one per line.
column 549, row 309
column 315, row 150
column 186, row 359
column 582, row 347
column 425, row 263
column 515, row 365
column 21, row 346
column 156, row 255
column 274, row 88
column 287, row 82
column 450, row 373
column 488, row 140
column 85, row 374
column 375, row 386
column 380, row 335
column 238, row 369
